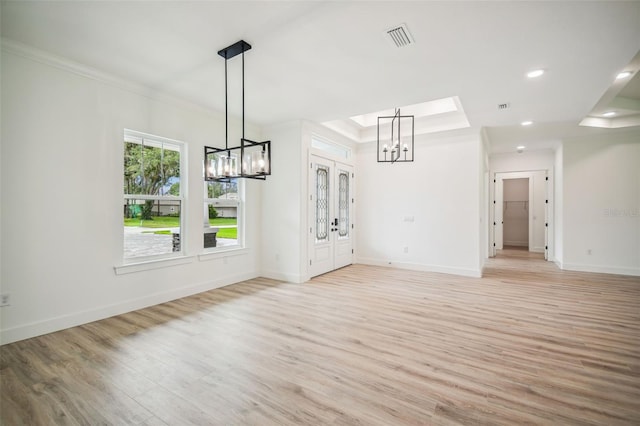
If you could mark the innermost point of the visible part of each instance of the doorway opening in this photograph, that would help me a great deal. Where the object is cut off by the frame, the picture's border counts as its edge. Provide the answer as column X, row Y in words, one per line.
column 521, row 220
column 515, row 213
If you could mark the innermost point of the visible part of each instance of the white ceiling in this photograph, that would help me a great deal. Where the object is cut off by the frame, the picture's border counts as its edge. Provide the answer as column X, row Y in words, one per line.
column 329, row 60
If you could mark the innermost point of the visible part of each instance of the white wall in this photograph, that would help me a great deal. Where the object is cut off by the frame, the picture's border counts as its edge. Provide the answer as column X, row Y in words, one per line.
column 62, row 231
column 526, row 161
column 430, row 206
column 558, row 212
column 601, row 225
column 484, row 190
column 282, row 213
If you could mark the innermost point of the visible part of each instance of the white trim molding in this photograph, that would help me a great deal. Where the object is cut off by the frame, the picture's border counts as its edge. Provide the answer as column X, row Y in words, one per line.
column 62, row 322
column 50, row 59
column 600, row 269
column 465, row 272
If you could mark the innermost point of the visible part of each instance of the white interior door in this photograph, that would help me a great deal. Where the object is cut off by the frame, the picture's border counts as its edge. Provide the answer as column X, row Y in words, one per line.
column 331, row 215
column 546, row 217
column 498, row 212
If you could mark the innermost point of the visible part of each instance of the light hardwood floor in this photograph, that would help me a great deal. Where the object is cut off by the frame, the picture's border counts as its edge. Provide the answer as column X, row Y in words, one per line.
column 526, row 344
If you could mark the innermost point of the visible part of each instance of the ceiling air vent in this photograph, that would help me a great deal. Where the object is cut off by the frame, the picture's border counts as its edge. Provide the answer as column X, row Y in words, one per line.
column 400, row 35
column 503, row 106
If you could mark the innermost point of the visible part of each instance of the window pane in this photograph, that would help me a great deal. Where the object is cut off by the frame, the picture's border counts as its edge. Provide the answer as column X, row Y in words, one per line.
column 151, row 227
column 330, row 147
column 151, row 168
column 223, row 190
column 221, row 208
column 133, row 178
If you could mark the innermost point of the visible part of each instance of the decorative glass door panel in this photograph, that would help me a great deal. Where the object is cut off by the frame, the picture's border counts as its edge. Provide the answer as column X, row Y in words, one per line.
column 343, row 204
column 322, row 203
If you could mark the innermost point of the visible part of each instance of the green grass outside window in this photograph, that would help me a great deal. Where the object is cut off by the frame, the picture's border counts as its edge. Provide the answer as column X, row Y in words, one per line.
column 174, row 222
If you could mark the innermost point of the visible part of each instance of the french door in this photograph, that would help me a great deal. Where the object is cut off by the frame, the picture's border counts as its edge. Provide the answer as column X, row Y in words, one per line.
column 330, row 215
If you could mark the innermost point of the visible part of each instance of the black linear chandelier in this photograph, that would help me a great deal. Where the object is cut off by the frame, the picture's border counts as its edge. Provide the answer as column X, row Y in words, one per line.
column 398, row 146
column 248, row 160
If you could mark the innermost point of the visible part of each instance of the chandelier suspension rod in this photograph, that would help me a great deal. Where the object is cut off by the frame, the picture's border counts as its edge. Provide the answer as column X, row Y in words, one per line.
column 243, row 94
column 226, row 108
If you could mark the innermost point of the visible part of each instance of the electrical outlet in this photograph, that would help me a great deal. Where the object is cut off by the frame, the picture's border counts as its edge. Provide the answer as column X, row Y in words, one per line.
column 589, row 252
column 5, row 300
column 406, row 250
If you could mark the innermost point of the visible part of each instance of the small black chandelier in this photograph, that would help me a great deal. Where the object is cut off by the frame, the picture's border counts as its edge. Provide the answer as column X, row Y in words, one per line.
column 399, row 147
column 248, row 160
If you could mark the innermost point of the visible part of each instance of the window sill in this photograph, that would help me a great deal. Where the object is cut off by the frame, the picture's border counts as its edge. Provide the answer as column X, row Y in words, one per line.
column 221, row 253
column 152, row 264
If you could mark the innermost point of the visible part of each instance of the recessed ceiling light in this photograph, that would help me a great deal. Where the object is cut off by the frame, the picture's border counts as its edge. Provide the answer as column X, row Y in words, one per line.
column 527, row 123
column 535, row 73
column 623, row 74
column 609, row 114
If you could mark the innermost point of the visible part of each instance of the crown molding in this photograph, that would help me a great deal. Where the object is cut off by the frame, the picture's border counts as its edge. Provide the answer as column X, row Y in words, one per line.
column 65, row 64
column 47, row 58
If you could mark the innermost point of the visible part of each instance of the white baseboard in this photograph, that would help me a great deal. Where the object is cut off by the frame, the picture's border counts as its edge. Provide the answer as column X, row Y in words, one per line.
column 466, row 272
column 78, row 318
column 600, row 269
column 283, row 276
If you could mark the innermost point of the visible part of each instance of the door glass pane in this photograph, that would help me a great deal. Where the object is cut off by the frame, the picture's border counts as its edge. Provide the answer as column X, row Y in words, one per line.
column 343, row 204
column 322, row 203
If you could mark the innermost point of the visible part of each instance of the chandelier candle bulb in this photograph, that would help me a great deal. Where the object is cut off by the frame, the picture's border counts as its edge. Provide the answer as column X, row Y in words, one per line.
column 210, row 169
column 258, row 162
column 226, row 166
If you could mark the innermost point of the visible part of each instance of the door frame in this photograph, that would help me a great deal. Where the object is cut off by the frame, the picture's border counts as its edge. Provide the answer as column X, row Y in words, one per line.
column 548, row 211
column 311, row 211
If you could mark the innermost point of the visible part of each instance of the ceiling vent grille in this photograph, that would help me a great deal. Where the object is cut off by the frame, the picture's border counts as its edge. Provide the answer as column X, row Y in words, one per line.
column 504, row 106
column 400, row 36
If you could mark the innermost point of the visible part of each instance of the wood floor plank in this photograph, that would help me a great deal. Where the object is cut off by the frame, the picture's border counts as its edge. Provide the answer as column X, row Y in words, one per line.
column 525, row 344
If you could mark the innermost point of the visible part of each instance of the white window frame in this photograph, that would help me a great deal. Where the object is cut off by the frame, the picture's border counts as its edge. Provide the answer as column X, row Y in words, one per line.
column 137, row 137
